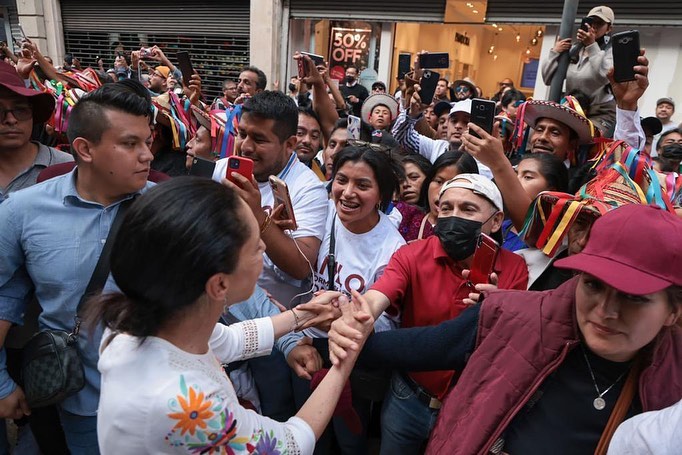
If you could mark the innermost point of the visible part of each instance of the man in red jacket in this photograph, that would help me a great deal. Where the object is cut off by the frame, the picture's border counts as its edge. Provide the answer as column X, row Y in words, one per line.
column 550, row 369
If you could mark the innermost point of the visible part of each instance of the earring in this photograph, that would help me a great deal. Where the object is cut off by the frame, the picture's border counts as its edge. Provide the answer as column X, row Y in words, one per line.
column 225, row 305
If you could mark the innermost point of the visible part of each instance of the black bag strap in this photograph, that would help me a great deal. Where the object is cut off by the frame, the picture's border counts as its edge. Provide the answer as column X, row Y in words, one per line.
column 101, row 272
column 331, row 259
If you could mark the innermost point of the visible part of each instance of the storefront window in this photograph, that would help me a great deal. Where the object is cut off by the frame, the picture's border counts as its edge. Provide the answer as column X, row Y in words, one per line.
column 341, row 43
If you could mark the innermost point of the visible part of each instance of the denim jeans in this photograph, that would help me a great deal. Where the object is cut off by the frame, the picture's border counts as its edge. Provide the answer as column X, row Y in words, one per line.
column 406, row 422
column 80, row 432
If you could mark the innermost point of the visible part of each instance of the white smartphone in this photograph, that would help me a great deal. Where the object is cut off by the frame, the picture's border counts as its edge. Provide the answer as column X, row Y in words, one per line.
column 353, row 130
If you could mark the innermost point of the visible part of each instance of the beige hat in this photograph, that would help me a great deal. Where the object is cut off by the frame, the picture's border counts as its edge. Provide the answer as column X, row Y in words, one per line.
column 602, row 12
column 477, row 183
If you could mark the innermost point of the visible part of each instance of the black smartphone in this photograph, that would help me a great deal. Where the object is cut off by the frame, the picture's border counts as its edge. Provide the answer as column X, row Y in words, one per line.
column 202, row 167
column 428, row 84
column 625, row 53
column 435, row 60
column 317, row 59
column 483, row 115
column 185, row 65
column 404, row 61
column 585, row 22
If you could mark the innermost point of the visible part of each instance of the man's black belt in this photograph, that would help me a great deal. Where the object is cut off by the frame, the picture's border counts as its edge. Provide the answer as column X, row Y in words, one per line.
column 422, row 395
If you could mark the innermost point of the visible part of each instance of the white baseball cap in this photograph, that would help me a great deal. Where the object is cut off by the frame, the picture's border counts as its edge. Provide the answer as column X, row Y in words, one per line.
column 461, row 106
column 478, row 184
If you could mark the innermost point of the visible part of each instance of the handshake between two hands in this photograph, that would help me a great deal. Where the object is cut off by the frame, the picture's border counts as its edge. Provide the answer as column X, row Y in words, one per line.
column 348, row 321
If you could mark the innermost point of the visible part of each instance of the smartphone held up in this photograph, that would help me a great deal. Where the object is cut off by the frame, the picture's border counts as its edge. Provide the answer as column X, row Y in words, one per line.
column 625, row 53
column 239, row 165
column 280, row 193
column 483, row 262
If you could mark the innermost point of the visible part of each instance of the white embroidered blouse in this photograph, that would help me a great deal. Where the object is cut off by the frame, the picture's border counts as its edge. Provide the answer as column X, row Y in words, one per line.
column 157, row 399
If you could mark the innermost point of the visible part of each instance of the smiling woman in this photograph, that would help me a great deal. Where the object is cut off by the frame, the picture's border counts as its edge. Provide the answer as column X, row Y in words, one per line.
column 359, row 241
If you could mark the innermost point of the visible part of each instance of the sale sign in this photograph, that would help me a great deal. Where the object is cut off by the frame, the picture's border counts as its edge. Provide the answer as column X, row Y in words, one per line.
column 347, row 46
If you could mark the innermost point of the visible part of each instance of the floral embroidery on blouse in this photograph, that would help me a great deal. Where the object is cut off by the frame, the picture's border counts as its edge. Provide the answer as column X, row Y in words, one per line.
column 204, row 426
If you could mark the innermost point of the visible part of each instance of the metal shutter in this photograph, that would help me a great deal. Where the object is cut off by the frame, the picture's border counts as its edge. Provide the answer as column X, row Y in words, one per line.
column 628, row 12
column 376, row 10
column 214, row 32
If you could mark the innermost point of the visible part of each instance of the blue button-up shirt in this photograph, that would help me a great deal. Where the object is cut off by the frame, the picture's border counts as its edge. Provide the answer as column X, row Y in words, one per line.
column 50, row 241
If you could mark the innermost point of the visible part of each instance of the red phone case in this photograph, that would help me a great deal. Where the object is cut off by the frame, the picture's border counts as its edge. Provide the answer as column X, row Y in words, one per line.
column 239, row 165
column 484, row 260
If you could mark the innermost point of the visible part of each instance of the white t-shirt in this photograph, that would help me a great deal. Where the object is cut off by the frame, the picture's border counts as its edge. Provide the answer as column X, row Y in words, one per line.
column 653, row 432
column 309, row 198
column 360, row 258
column 159, row 399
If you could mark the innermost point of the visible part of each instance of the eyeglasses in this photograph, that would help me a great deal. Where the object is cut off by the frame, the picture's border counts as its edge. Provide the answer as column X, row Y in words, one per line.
column 462, row 88
column 20, row 113
column 373, row 145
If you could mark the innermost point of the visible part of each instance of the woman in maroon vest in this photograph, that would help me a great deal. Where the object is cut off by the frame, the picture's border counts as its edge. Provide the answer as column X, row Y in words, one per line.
column 556, row 371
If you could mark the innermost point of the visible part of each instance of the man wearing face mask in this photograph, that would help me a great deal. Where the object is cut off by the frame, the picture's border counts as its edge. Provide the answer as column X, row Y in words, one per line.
column 353, row 92
column 424, row 284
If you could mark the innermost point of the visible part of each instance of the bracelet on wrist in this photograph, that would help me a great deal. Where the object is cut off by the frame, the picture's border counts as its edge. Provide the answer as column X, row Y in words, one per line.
column 267, row 221
column 297, row 323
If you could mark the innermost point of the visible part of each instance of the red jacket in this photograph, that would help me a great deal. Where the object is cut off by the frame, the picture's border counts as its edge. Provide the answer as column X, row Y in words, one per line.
column 522, row 338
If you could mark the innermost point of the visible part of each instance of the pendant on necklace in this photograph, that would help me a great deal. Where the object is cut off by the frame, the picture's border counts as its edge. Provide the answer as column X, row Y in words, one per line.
column 599, row 403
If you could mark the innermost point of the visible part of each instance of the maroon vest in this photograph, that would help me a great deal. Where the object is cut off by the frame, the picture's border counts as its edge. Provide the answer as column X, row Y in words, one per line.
column 522, row 338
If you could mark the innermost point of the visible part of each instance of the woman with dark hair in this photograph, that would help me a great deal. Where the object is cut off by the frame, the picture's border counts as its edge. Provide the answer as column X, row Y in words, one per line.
column 418, row 221
column 186, row 251
column 537, row 172
column 359, row 241
column 416, row 168
column 364, row 181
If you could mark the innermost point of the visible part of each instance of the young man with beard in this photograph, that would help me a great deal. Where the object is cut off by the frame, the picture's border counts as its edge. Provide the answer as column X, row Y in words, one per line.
column 251, row 81
column 470, row 204
column 268, row 136
column 353, row 92
column 53, row 235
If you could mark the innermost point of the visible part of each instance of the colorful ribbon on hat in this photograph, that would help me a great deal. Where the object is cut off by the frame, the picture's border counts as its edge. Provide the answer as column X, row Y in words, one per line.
column 228, row 142
column 217, row 132
column 551, row 215
column 178, row 116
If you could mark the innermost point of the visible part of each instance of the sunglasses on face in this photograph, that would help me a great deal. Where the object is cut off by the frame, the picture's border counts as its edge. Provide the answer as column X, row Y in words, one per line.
column 462, row 89
column 20, row 113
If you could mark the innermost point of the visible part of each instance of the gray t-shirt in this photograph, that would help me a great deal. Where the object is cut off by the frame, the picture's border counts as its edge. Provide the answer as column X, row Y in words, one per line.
column 47, row 156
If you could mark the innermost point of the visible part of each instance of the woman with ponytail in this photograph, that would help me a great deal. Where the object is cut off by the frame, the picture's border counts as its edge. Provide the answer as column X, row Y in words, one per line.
column 185, row 251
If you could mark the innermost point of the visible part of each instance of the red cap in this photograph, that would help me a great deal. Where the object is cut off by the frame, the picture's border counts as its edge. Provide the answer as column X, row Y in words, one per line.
column 43, row 103
column 636, row 249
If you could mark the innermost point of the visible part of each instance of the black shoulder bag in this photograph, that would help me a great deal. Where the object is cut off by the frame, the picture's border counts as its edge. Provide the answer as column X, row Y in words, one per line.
column 367, row 383
column 51, row 368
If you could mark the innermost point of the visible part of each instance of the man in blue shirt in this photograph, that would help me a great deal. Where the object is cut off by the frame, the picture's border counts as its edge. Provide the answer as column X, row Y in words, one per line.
column 52, row 234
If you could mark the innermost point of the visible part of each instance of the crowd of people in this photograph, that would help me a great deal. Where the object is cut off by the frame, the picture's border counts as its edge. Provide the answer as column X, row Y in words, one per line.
column 422, row 284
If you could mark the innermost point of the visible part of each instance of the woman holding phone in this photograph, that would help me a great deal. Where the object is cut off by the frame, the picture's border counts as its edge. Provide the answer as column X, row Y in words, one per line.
column 179, row 263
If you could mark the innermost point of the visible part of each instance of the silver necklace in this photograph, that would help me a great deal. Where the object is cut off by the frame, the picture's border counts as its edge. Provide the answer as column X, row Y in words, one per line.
column 599, row 403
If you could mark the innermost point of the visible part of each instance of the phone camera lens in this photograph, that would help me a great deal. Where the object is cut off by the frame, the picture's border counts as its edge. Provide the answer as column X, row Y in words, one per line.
column 234, row 164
